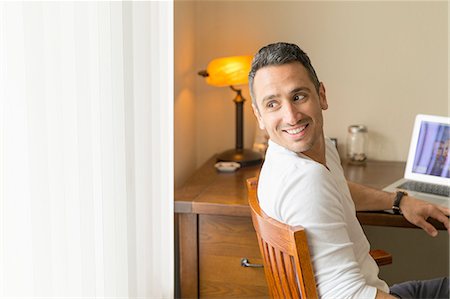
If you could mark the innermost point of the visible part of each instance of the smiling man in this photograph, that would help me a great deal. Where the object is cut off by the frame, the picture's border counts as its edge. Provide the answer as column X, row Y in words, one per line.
column 302, row 182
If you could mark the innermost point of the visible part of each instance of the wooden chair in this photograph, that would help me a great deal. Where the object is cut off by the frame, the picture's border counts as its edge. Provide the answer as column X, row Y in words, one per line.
column 287, row 264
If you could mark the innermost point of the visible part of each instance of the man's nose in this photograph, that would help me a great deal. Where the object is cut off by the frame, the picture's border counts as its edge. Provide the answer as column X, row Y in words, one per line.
column 291, row 115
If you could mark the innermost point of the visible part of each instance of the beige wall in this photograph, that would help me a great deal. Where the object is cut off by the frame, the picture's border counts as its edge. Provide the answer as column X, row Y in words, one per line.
column 184, row 93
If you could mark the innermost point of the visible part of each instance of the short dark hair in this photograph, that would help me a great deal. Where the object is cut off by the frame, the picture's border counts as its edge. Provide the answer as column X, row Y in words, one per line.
column 279, row 54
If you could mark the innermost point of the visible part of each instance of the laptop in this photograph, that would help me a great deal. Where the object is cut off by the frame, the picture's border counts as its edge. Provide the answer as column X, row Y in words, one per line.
column 427, row 173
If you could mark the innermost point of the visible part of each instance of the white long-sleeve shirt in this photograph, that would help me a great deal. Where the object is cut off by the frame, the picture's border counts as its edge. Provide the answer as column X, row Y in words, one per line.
column 296, row 190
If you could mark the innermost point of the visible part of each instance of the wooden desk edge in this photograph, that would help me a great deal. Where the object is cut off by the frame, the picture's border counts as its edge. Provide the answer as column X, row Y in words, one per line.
column 377, row 218
column 380, row 218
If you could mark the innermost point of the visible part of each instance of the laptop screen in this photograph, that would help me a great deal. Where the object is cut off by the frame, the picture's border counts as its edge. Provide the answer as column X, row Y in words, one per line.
column 431, row 153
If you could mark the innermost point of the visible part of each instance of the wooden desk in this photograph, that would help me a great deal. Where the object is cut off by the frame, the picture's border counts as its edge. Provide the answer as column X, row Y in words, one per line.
column 215, row 230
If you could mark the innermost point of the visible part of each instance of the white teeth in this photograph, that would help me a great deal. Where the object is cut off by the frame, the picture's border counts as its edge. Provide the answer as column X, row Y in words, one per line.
column 296, row 131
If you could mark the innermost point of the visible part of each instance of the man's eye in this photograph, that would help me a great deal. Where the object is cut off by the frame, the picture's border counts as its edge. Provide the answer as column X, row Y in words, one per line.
column 298, row 97
column 271, row 104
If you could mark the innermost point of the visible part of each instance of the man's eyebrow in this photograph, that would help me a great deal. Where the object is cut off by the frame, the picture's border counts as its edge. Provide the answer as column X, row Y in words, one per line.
column 298, row 89
column 269, row 97
column 295, row 90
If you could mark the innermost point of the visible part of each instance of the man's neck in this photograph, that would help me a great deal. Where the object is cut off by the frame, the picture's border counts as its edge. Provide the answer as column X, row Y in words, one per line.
column 317, row 152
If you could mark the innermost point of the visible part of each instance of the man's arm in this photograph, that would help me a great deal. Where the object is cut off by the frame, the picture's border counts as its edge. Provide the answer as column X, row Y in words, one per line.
column 414, row 210
column 369, row 199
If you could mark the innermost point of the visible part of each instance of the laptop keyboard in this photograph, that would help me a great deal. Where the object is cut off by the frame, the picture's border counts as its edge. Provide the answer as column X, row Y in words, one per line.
column 426, row 188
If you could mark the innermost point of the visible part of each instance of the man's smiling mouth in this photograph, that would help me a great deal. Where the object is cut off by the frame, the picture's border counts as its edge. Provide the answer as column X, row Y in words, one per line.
column 296, row 131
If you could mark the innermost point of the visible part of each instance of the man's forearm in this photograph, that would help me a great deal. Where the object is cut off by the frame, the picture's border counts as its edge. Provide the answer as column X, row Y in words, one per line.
column 369, row 199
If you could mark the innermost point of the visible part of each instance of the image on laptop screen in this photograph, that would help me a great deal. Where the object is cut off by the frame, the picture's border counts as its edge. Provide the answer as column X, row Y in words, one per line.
column 432, row 150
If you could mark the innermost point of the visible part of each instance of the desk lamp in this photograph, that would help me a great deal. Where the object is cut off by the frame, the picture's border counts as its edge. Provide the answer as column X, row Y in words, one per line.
column 232, row 71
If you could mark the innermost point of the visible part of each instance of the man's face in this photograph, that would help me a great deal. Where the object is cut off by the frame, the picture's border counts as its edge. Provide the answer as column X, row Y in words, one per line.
column 289, row 108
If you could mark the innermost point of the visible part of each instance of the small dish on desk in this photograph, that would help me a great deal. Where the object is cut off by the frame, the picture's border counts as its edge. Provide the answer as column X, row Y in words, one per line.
column 227, row 166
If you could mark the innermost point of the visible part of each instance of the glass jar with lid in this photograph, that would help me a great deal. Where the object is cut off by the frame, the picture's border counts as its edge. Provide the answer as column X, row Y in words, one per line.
column 357, row 141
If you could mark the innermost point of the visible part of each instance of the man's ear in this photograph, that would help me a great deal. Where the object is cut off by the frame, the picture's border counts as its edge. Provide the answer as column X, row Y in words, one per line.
column 323, row 97
column 258, row 117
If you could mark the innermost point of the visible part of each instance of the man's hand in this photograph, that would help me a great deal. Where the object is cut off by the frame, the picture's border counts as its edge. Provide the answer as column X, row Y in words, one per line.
column 418, row 211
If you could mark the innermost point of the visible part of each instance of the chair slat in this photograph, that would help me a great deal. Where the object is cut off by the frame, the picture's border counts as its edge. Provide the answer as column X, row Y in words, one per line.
column 268, row 269
column 291, row 275
column 274, row 268
column 282, row 274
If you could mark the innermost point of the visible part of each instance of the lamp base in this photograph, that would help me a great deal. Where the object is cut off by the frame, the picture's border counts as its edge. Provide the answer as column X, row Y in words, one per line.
column 244, row 157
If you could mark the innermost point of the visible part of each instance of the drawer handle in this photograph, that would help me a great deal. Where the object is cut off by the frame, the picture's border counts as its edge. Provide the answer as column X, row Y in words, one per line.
column 246, row 263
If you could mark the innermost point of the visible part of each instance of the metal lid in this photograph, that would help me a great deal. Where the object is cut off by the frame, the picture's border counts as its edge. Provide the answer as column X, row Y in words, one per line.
column 357, row 129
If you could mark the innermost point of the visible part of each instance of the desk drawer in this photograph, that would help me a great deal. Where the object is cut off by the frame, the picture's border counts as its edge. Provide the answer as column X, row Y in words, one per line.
column 223, row 241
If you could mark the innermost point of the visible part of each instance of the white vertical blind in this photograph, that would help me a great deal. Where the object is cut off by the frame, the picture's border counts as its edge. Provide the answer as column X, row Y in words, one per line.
column 86, row 149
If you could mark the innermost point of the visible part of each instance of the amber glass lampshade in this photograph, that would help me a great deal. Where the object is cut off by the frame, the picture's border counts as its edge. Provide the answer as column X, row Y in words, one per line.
column 231, row 71
column 228, row 71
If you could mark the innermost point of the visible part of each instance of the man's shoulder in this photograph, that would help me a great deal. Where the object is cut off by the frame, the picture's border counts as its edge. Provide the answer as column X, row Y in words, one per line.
column 297, row 192
column 293, row 177
column 281, row 165
column 283, row 168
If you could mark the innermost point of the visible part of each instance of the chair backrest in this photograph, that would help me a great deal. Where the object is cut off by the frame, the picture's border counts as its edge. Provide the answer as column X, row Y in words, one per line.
column 285, row 252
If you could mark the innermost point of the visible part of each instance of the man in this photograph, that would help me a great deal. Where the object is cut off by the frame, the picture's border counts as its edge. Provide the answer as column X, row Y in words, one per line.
column 302, row 182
